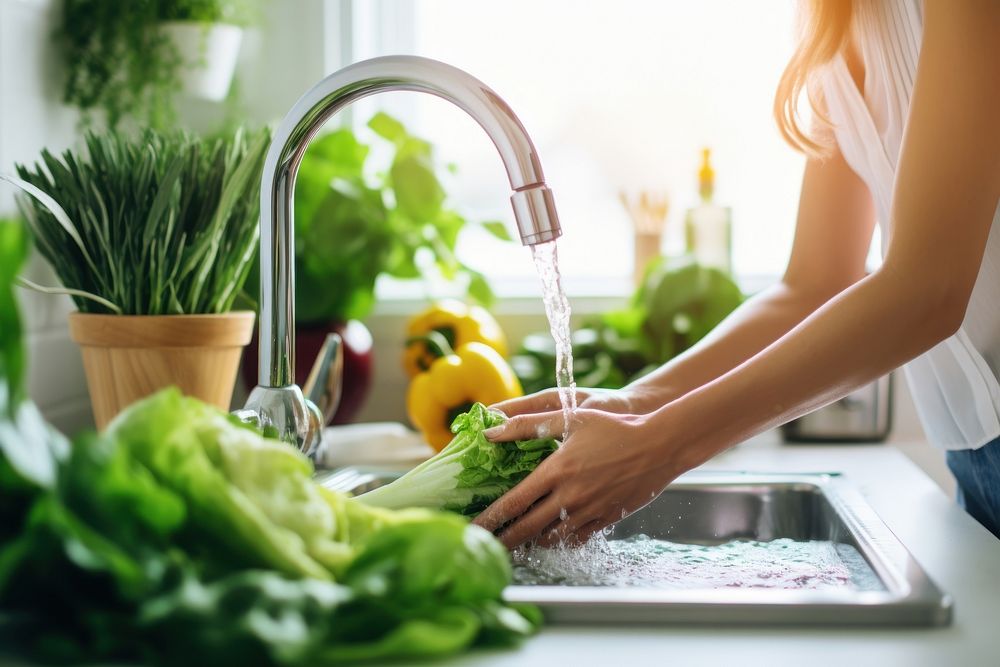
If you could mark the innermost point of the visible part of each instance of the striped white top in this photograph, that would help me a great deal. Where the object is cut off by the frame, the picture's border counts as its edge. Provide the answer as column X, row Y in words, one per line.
column 954, row 385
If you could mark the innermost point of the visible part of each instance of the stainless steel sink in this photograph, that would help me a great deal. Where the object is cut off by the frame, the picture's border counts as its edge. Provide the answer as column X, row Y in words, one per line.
column 706, row 508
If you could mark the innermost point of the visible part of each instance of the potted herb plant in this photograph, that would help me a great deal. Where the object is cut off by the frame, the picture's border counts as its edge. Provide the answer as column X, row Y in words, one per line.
column 129, row 59
column 153, row 237
column 206, row 35
column 358, row 216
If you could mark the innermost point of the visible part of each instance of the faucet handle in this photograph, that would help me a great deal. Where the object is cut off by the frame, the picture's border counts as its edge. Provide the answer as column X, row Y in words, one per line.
column 324, row 384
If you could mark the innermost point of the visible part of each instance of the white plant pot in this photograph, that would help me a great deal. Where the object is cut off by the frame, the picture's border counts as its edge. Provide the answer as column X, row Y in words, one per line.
column 208, row 56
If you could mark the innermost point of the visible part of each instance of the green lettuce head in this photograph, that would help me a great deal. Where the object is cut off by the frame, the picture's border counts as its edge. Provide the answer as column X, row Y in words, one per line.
column 468, row 474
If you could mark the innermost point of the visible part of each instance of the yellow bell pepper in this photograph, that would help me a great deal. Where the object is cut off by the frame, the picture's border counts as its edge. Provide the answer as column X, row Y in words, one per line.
column 459, row 323
column 455, row 380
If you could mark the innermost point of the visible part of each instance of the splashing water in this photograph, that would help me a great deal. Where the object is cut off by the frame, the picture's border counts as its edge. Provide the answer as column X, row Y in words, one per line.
column 558, row 312
column 642, row 561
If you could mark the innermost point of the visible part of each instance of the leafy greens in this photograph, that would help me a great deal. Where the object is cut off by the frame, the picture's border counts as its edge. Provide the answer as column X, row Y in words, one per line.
column 162, row 223
column 469, row 473
column 181, row 536
column 368, row 209
column 182, row 533
column 675, row 306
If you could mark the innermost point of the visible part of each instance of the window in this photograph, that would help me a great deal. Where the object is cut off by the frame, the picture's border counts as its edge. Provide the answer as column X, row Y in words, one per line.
column 615, row 96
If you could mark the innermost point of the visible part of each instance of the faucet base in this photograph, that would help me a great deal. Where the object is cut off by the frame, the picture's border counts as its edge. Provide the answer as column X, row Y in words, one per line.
column 284, row 413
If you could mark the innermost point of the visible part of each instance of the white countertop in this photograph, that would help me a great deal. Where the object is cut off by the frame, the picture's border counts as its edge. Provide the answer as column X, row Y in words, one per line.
column 961, row 556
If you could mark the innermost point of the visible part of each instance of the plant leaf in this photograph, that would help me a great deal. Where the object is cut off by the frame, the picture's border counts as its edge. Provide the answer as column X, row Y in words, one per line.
column 13, row 250
column 54, row 208
column 498, row 230
column 479, row 288
column 387, row 127
column 418, row 192
column 24, row 282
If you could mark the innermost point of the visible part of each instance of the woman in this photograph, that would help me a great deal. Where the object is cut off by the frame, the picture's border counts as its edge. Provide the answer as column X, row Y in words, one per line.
column 907, row 98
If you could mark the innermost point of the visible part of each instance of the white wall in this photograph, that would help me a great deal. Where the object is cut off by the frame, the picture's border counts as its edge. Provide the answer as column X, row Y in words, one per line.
column 31, row 117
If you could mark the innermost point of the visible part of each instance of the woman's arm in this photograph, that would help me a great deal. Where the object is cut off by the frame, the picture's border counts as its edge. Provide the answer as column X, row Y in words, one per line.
column 945, row 196
column 832, row 234
column 946, row 192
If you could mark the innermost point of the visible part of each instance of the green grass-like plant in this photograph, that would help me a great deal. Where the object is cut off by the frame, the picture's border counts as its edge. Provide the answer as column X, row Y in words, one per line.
column 156, row 224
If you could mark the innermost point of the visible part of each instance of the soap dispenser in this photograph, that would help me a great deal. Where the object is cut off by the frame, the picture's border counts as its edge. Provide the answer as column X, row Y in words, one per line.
column 708, row 226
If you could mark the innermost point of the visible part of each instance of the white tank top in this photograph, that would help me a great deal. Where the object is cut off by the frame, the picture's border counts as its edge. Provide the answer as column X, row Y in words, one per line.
column 954, row 385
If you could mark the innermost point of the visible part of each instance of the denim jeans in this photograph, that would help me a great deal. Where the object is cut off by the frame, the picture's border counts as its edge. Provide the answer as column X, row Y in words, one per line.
column 977, row 472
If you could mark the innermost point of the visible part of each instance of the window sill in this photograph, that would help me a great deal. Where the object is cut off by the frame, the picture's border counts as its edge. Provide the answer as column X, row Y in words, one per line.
column 522, row 296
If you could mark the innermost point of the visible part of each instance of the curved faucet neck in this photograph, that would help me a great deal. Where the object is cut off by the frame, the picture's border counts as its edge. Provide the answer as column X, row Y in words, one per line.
column 534, row 208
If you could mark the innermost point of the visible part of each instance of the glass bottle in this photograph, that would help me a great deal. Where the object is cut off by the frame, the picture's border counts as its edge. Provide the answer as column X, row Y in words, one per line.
column 708, row 226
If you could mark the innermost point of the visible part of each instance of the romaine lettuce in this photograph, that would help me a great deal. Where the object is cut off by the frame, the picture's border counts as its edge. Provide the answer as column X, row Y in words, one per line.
column 469, row 473
column 181, row 537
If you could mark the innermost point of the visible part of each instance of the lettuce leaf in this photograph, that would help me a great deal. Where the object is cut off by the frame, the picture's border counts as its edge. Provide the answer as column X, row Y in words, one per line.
column 469, row 473
column 214, row 462
column 182, row 536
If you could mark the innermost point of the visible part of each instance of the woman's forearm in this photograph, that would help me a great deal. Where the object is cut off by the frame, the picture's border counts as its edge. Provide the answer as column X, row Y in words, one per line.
column 749, row 329
column 878, row 324
column 947, row 182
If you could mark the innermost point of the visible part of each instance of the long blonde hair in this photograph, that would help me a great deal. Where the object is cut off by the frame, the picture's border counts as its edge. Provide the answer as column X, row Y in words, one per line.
column 825, row 28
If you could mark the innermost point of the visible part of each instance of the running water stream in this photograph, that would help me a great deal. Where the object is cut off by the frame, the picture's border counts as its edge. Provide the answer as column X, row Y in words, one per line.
column 557, row 310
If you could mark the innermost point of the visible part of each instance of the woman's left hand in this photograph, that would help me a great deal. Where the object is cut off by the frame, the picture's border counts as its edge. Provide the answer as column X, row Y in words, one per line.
column 610, row 466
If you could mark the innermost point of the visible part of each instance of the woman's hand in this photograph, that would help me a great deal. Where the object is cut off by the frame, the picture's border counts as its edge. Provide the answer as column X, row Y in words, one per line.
column 634, row 400
column 611, row 465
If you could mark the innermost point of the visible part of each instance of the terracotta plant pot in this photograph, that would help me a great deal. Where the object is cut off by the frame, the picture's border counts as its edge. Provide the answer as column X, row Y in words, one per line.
column 128, row 357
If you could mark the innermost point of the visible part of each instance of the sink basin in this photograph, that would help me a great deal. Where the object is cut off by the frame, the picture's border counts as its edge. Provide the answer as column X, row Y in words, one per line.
column 709, row 508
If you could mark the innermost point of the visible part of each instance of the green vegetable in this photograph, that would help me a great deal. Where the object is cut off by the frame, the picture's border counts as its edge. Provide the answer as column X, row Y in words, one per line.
column 154, row 225
column 182, row 537
column 678, row 303
column 30, row 451
column 13, row 249
column 469, row 473
column 358, row 216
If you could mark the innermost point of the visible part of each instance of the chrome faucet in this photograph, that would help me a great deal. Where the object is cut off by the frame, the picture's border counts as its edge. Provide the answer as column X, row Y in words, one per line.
column 277, row 405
